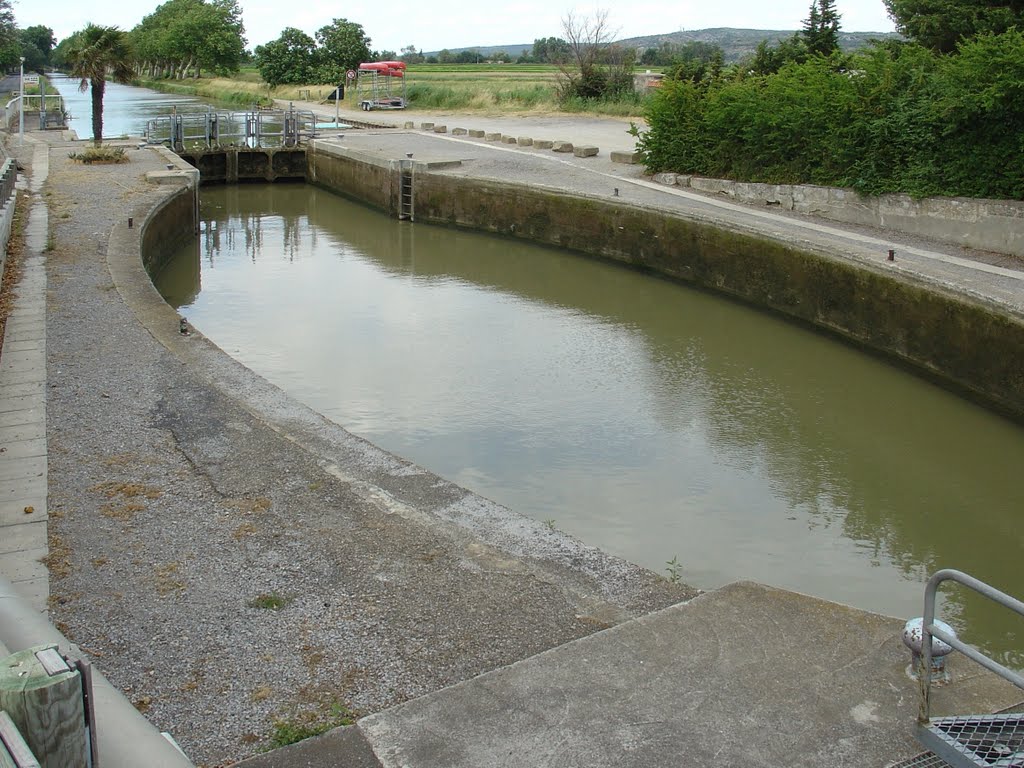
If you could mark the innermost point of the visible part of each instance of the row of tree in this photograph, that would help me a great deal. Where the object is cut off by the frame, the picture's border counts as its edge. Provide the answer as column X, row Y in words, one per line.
column 33, row 44
column 900, row 116
column 189, row 36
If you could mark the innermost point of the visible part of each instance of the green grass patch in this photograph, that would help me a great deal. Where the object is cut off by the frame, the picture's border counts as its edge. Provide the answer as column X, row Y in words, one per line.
column 269, row 601
column 439, row 97
column 308, row 724
column 525, row 98
column 629, row 105
column 238, row 93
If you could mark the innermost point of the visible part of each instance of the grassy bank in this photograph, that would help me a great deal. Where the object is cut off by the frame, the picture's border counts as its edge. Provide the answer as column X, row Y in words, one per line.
column 483, row 88
column 227, row 91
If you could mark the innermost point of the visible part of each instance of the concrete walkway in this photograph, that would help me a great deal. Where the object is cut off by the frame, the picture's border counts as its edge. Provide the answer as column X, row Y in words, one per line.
column 23, row 461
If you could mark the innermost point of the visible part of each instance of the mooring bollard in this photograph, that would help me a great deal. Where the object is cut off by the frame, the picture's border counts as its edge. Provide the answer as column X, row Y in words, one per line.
column 913, row 638
column 43, row 696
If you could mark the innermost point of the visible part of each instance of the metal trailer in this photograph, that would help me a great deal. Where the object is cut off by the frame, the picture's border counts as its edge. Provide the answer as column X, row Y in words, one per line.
column 381, row 85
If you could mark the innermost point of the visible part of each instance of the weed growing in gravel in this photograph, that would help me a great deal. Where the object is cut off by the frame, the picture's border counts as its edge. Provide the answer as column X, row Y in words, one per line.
column 309, row 724
column 674, row 568
column 107, row 155
column 269, row 601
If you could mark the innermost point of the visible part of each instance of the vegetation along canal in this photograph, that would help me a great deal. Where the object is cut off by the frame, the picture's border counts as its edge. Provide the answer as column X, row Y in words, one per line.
column 678, row 430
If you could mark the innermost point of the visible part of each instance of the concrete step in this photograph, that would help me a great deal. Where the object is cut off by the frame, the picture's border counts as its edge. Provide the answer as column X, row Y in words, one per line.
column 743, row 675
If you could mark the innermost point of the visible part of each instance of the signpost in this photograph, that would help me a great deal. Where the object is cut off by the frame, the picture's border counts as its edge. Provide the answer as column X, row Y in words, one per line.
column 21, row 102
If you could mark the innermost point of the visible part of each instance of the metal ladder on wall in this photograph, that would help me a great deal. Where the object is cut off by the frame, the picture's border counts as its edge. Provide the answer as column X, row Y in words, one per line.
column 965, row 741
column 405, row 192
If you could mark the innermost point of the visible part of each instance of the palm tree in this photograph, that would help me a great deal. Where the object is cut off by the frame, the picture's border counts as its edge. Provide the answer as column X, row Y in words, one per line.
column 98, row 54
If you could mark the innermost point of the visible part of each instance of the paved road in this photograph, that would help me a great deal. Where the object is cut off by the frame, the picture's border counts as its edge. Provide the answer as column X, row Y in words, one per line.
column 608, row 133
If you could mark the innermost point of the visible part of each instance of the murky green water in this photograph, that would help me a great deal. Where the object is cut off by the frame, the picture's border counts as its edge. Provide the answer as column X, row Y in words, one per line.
column 651, row 420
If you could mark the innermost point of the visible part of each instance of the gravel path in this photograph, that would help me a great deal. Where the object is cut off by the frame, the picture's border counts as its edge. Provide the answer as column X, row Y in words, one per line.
column 230, row 559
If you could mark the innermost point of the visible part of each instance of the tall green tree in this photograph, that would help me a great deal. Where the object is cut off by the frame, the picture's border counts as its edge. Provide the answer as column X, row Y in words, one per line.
column 821, row 28
column 97, row 54
column 941, row 24
column 341, row 45
column 550, row 50
column 37, row 45
column 288, row 59
column 10, row 40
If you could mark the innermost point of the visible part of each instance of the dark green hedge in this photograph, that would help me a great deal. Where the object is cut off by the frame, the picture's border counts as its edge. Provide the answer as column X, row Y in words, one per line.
column 894, row 118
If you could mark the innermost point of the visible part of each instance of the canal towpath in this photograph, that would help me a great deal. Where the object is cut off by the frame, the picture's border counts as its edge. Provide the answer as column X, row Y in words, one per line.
column 176, row 485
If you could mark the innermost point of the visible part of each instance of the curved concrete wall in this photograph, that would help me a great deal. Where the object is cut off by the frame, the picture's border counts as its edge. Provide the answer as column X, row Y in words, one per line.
column 973, row 348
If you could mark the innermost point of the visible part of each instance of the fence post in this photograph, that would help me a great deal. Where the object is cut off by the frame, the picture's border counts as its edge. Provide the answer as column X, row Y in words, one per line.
column 43, row 696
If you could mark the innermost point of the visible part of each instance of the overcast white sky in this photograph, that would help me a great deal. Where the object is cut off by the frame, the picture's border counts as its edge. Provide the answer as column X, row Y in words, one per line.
column 431, row 25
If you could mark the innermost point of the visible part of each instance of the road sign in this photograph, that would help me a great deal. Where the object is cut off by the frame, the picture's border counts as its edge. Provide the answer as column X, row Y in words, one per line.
column 31, row 79
column 351, row 74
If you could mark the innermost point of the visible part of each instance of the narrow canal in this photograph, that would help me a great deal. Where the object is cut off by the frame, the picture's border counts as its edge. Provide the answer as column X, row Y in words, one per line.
column 126, row 108
column 676, row 429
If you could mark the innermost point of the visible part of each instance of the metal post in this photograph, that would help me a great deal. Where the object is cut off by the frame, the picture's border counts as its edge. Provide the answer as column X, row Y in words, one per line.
column 21, row 101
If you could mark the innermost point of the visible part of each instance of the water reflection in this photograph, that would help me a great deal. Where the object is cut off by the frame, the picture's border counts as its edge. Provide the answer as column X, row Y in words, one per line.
column 126, row 108
column 649, row 419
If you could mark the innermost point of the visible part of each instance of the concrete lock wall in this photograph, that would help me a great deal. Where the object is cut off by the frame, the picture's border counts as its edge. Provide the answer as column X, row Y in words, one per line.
column 167, row 228
column 993, row 225
column 975, row 349
column 369, row 180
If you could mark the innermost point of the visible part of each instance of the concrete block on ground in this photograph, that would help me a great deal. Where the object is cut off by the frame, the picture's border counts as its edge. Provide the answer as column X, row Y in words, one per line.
column 427, row 126
column 459, row 131
column 585, row 150
column 561, row 146
column 668, row 179
column 492, row 137
column 509, row 139
column 542, row 144
column 440, row 129
column 524, row 141
column 626, row 158
column 475, row 133
column 409, row 124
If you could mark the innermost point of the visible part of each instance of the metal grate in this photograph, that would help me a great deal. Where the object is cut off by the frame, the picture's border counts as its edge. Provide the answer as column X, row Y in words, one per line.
column 976, row 740
column 923, row 760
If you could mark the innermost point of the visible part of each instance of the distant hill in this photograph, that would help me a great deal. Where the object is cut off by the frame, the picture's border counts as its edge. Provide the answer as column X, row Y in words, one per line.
column 486, row 50
column 735, row 43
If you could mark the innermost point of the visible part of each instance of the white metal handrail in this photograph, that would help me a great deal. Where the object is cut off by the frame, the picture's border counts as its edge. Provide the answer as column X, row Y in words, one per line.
column 929, row 629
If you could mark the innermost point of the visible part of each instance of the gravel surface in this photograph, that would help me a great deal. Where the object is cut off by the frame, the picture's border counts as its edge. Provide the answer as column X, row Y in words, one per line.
column 186, row 495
